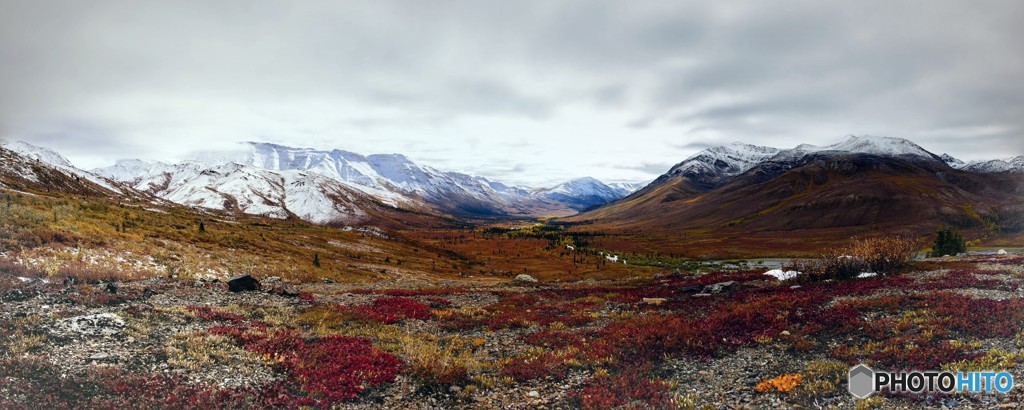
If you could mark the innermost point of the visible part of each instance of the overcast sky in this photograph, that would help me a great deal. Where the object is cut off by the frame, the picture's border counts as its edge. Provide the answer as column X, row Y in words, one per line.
column 530, row 92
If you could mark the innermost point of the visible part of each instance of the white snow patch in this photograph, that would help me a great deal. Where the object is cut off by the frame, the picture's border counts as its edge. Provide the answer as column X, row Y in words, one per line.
column 866, row 275
column 783, row 275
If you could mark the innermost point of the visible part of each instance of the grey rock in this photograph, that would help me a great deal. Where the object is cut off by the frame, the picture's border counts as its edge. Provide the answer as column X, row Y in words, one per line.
column 101, row 324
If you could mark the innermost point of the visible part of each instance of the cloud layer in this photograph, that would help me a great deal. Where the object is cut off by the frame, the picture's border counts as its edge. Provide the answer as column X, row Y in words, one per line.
column 529, row 92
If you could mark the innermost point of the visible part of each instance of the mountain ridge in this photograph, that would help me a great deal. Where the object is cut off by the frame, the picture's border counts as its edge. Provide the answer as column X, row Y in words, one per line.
column 892, row 184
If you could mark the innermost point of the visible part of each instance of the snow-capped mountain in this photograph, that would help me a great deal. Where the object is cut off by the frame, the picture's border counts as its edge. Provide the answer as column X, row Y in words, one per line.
column 55, row 161
column 1015, row 165
column 583, row 193
column 712, row 166
column 951, row 161
column 843, row 188
column 626, row 188
column 392, row 178
column 261, row 178
column 852, row 144
column 251, row 190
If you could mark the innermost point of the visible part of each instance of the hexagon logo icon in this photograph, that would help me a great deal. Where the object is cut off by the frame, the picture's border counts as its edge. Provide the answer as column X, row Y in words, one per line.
column 861, row 381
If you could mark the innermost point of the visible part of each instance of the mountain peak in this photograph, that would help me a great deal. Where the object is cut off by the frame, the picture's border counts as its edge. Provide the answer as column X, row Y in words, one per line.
column 951, row 161
column 41, row 154
column 726, row 160
column 867, row 144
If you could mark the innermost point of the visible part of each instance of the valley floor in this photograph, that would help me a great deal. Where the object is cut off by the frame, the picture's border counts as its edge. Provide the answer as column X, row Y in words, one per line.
column 728, row 339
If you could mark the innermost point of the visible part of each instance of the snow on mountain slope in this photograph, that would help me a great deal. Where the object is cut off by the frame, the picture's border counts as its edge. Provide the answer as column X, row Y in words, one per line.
column 626, row 188
column 393, row 179
column 1015, row 165
column 581, row 192
column 882, row 146
column 728, row 160
column 44, row 155
column 251, row 190
column 951, row 161
column 710, row 167
column 348, row 167
column 585, row 186
column 56, row 161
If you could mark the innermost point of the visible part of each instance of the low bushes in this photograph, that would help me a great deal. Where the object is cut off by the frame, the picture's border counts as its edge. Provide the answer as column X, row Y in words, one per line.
column 328, row 370
column 882, row 256
column 630, row 388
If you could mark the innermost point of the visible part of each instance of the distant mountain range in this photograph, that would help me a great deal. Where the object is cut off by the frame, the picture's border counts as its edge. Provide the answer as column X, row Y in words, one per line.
column 326, row 187
column 863, row 182
column 860, row 182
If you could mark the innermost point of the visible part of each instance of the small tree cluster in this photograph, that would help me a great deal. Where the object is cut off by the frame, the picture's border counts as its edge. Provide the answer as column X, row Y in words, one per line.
column 948, row 242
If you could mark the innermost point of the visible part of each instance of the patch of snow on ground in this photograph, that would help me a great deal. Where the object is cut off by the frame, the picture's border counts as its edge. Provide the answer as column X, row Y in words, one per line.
column 783, row 275
column 866, row 275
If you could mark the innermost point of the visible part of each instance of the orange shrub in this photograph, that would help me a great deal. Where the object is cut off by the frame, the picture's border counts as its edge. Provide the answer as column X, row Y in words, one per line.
column 782, row 384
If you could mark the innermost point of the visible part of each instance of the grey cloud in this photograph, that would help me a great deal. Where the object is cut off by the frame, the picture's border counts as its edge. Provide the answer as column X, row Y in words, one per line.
column 653, row 169
column 118, row 78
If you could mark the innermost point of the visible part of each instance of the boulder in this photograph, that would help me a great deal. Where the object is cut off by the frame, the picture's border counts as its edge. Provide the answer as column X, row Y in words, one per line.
column 1001, row 252
column 524, row 278
column 242, row 283
column 721, row 287
column 654, row 301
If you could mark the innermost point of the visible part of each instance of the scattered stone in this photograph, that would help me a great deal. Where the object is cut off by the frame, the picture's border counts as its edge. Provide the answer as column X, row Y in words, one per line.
column 455, row 389
column 17, row 295
column 654, row 301
column 101, row 324
column 242, row 283
column 284, row 290
column 721, row 287
column 524, row 278
column 1001, row 252
column 695, row 288
column 99, row 356
column 272, row 279
column 328, row 280
column 533, row 394
column 784, row 333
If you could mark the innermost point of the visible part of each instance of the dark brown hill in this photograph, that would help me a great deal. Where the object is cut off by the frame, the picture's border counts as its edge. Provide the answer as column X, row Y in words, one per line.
column 839, row 194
